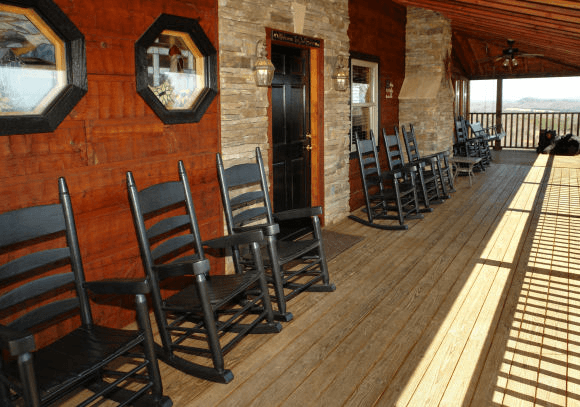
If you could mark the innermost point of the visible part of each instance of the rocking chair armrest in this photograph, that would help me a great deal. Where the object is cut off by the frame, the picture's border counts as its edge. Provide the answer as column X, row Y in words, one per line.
column 409, row 169
column 298, row 213
column 132, row 286
column 430, row 159
column 474, row 139
column 410, row 166
column 190, row 267
column 437, row 155
column 235, row 239
column 387, row 175
column 268, row 229
column 15, row 341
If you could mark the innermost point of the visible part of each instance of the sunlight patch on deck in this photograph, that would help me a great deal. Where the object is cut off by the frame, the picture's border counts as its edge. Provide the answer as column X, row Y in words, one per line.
column 475, row 311
column 542, row 359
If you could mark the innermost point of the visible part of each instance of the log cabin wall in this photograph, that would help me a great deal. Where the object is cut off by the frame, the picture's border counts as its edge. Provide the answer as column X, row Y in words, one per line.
column 111, row 131
column 244, row 106
column 377, row 27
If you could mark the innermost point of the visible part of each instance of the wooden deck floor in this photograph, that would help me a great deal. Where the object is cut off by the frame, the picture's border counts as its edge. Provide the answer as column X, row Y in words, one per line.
column 478, row 304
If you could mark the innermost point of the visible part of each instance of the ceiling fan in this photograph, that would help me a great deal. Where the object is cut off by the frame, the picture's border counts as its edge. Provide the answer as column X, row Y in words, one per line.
column 510, row 54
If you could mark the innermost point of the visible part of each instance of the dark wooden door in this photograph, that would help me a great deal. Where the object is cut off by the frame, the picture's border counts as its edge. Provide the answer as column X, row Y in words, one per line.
column 291, row 128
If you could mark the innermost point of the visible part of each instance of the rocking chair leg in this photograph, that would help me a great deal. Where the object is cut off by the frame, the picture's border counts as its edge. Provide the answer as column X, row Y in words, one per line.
column 210, row 324
column 377, row 226
column 271, row 326
column 31, row 396
column 205, row 372
column 281, row 314
column 149, row 350
column 326, row 285
column 399, row 204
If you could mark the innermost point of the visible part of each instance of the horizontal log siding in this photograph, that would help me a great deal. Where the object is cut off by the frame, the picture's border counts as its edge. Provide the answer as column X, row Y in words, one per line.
column 110, row 131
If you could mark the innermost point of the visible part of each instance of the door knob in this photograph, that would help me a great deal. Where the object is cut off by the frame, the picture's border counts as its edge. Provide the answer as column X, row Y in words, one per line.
column 308, row 148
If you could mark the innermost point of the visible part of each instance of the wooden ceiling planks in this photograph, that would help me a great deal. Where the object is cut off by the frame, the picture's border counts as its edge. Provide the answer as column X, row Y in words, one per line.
column 550, row 28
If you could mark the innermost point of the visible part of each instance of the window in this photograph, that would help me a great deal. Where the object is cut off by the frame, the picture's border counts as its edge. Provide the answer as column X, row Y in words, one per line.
column 176, row 69
column 364, row 79
column 42, row 66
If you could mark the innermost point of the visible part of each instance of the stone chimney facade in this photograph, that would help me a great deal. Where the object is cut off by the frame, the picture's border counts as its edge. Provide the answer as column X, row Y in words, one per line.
column 426, row 99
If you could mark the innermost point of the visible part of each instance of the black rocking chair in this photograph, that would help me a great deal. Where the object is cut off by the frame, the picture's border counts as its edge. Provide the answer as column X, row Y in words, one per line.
column 427, row 183
column 202, row 314
column 437, row 163
column 401, row 197
column 464, row 146
column 44, row 275
column 296, row 263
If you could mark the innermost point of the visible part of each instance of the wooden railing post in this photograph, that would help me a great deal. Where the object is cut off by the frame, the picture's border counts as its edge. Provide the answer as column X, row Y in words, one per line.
column 522, row 129
column 498, row 110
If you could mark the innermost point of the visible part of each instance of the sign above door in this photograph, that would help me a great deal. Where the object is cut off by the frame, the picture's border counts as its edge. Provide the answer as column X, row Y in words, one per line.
column 295, row 39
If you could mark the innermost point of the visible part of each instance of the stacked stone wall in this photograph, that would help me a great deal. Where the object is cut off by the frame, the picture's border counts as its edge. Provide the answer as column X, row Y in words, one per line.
column 428, row 50
column 244, row 106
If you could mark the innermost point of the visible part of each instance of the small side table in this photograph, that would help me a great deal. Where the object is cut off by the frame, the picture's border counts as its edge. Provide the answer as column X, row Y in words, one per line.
column 464, row 165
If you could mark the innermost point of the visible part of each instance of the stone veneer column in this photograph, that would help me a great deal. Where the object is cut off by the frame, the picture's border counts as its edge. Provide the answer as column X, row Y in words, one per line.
column 428, row 50
column 244, row 120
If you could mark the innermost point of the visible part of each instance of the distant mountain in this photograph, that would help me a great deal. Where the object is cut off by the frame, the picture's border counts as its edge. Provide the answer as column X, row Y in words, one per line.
column 528, row 105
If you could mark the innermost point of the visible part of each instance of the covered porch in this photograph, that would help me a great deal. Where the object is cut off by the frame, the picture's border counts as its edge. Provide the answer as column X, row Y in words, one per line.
column 475, row 305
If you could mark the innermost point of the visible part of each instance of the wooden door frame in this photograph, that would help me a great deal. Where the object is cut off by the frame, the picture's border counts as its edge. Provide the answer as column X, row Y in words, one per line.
column 316, row 116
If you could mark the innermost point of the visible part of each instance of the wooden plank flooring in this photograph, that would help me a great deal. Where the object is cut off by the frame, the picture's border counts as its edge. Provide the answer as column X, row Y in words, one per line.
column 478, row 304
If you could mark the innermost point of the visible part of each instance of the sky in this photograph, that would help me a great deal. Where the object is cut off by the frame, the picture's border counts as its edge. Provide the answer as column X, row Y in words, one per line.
column 515, row 89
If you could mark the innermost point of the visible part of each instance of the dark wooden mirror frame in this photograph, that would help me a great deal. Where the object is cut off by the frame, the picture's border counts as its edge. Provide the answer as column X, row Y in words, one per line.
column 203, row 44
column 76, row 72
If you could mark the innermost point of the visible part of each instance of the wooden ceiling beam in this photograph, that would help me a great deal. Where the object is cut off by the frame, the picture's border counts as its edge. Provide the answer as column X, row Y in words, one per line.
column 526, row 36
column 539, row 6
column 475, row 14
column 504, row 21
column 569, row 13
column 551, row 45
column 473, row 56
column 465, row 64
column 547, row 27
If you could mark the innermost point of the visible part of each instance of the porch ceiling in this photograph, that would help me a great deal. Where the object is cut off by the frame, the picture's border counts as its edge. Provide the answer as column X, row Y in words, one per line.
column 550, row 28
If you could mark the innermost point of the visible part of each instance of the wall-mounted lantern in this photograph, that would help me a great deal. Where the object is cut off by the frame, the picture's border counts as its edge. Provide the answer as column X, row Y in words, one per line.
column 341, row 74
column 263, row 68
column 389, row 89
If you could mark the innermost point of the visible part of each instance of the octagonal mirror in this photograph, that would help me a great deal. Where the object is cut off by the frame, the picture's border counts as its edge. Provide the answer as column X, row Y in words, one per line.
column 176, row 69
column 42, row 66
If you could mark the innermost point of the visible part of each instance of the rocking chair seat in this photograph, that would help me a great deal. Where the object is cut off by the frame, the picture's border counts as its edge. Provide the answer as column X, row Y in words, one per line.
column 72, row 358
column 221, row 289
column 290, row 250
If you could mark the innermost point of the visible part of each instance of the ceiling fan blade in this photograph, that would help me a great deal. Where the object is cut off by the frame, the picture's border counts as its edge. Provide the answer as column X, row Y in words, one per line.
column 530, row 55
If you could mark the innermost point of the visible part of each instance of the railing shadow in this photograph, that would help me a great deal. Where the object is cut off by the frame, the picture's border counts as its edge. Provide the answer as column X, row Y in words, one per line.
column 533, row 355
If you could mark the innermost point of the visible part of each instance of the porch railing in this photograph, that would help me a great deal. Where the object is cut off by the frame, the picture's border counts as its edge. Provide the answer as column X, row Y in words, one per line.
column 523, row 129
